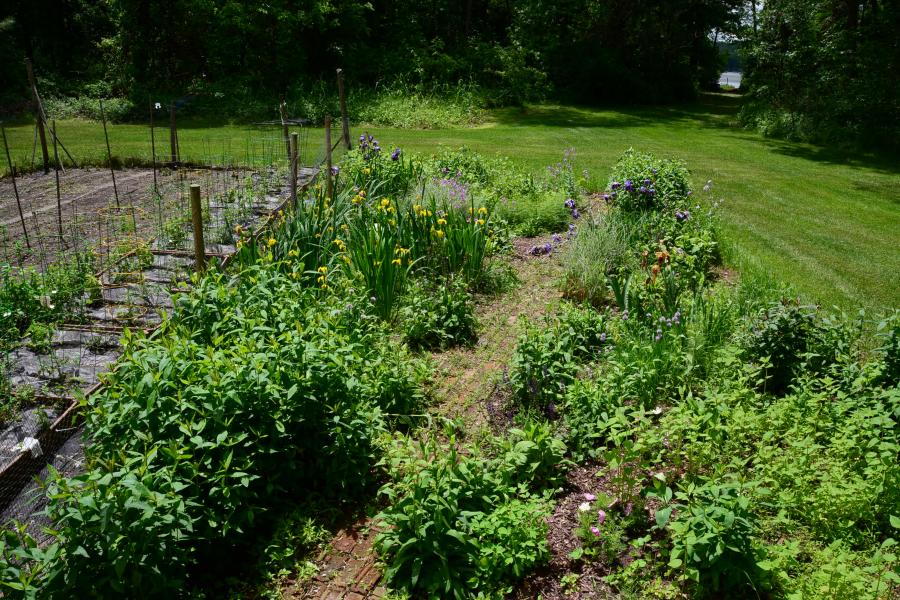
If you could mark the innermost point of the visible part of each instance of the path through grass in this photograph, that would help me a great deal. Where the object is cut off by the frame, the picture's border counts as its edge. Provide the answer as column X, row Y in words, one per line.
column 826, row 222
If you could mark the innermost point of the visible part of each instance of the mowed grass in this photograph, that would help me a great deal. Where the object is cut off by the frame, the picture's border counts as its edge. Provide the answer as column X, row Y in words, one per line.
column 824, row 221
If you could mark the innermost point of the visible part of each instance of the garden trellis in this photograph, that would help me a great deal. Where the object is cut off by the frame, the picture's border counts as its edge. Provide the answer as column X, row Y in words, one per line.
column 130, row 235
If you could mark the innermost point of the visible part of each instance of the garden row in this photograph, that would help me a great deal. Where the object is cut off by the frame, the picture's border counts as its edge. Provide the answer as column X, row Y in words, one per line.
column 735, row 443
column 265, row 379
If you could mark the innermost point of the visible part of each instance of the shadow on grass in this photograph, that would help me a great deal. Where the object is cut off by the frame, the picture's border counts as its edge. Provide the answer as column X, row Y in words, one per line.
column 711, row 110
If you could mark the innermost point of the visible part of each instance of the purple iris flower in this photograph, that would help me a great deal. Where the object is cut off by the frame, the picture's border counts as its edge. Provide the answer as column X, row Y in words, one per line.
column 647, row 182
column 570, row 203
column 651, row 191
column 575, row 213
column 615, row 185
column 629, row 185
column 556, row 238
column 602, row 337
column 642, row 189
column 606, row 198
column 335, row 170
column 395, row 154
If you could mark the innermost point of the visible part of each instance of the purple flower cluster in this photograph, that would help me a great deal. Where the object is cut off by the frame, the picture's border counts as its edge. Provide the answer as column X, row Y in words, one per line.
column 570, row 203
column 395, row 155
column 629, row 185
column 368, row 145
column 456, row 190
column 682, row 215
column 541, row 250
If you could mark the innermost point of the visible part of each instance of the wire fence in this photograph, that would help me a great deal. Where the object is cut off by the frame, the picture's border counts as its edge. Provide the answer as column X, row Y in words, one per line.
column 136, row 234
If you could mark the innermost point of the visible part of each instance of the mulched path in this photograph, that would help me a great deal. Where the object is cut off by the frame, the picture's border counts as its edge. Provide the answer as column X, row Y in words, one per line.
column 465, row 380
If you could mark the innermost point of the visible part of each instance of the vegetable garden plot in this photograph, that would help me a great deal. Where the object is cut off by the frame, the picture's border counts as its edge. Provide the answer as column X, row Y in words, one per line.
column 133, row 286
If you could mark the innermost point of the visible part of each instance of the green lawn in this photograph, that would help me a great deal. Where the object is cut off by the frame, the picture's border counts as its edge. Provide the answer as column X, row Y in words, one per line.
column 827, row 222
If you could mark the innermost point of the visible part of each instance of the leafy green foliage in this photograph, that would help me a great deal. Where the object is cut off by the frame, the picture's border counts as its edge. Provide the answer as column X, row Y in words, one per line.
column 438, row 316
column 547, row 359
column 256, row 388
column 459, row 524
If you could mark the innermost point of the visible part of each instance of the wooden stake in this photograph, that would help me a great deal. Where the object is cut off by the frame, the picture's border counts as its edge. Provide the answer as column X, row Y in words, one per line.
column 295, row 160
column 39, row 111
column 328, row 185
column 345, row 119
column 109, row 154
column 197, row 218
column 12, row 173
column 58, row 198
column 282, row 110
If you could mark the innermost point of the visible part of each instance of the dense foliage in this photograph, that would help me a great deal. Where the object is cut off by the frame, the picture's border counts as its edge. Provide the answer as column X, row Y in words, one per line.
column 825, row 71
column 234, row 53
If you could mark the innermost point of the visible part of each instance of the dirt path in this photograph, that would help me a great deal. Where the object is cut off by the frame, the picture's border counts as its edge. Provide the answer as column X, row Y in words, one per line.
column 464, row 380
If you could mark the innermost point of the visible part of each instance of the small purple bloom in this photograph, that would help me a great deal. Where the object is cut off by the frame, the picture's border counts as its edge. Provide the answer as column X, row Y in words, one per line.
column 595, row 531
column 658, row 335
column 556, row 238
column 602, row 337
column 570, row 203
column 615, row 185
column 335, row 170
column 652, row 191
column 629, row 185
column 606, row 198
column 575, row 213
column 395, row 154
column 643, row 189
column 590, row 497
column 647, row 182
column 601, row 516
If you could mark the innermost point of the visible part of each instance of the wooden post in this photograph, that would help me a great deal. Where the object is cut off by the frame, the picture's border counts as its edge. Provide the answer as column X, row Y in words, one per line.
column 58, row 198
column 295, row 160
column 109, row 154
column 12, row 173
column 39, row 111
column 197, row 218
column 345, row 119
column 282, row 110
column 173, row 134
column 329, row 192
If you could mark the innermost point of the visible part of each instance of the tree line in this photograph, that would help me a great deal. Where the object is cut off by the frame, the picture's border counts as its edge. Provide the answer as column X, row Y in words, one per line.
column 812, row 66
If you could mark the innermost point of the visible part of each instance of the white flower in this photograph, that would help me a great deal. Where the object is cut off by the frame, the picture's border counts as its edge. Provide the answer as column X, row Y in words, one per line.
column 584, row 507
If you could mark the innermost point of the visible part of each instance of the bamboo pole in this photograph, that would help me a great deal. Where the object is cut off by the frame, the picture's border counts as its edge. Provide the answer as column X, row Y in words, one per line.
column 58, row 197
column 328, row 184
column 197, row 218
column 12, row 173
column 282, row 111
column 153, row 150
column 295, row 159
column 173, row 134
column 39, row 111
column 345, row 118
column 109, row 154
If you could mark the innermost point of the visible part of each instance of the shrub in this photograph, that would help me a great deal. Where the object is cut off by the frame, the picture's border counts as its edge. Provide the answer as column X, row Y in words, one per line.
column 598, row 258
column 454, row 528
column 546, row 360
column 643, row 182
column 712, row 541
column 778, row 340
column 438, row 315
